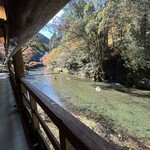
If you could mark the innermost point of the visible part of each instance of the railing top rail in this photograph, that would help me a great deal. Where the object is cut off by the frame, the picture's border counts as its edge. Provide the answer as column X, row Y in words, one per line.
column 75, row 131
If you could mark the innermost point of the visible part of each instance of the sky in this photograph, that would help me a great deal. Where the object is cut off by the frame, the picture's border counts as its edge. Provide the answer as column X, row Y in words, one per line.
column 45, row 32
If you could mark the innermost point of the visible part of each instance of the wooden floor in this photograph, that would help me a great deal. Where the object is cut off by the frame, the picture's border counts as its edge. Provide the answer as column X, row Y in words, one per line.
column 12, row 135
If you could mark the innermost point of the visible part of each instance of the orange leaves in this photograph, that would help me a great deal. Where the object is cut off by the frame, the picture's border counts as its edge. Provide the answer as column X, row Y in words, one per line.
column 33, row 64
column 62, row 53
column 49, row 58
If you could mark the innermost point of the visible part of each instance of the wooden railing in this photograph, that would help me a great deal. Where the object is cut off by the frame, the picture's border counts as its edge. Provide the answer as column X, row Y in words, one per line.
column 72, row 133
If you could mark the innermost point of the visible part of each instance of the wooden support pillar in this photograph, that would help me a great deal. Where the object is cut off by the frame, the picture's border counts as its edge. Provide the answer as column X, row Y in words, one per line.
column 18, row 65
column 19, row 73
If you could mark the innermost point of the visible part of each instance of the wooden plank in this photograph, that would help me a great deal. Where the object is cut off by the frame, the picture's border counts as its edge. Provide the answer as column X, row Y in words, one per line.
column 12, row 135
column 48, row 132
column 78, row 134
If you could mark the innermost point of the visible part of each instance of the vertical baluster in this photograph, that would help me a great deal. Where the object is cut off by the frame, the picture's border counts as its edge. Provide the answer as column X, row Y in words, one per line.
column 62, row 140
column 23, row 92
column 69, row 145
column 34, row 108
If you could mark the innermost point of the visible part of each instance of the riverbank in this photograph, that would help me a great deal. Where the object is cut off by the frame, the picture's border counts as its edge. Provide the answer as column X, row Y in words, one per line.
column 80, row 73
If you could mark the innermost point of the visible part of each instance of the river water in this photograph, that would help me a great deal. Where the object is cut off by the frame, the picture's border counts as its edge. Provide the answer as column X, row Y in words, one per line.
column 47, row 82
column 42, row 79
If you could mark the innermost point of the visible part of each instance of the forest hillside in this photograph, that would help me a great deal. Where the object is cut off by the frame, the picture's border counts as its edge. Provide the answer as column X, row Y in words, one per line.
column 104, row 40
column 34, row 50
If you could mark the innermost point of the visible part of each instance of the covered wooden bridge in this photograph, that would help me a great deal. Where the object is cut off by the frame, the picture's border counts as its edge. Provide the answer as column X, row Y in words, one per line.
column 21, row 125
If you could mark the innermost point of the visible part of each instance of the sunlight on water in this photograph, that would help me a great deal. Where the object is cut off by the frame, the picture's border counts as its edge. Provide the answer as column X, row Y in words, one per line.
column 42, row 81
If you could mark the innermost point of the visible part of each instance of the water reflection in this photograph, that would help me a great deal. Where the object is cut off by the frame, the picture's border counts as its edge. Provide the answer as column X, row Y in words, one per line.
column 41, row 78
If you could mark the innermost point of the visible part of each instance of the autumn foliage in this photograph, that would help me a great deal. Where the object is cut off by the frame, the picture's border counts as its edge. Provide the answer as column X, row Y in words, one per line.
column 49, row 58
column 33, row 64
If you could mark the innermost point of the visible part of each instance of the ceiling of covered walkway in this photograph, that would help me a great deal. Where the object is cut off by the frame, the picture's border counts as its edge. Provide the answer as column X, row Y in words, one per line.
column 25, row 18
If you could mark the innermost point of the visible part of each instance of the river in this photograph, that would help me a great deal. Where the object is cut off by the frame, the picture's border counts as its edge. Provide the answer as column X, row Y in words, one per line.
column 48, row 82
column 42, row 79
column 117, row 106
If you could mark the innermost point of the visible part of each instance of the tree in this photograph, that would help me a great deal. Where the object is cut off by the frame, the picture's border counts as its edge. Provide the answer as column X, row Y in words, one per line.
column 131, row 30
column 52, row 42
column 94, row 23
column 84, row 23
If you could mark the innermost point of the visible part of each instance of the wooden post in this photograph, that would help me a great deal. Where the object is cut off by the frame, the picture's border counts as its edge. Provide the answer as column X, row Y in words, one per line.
column 19, row 73
column 62, row 140
column 18, row 64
